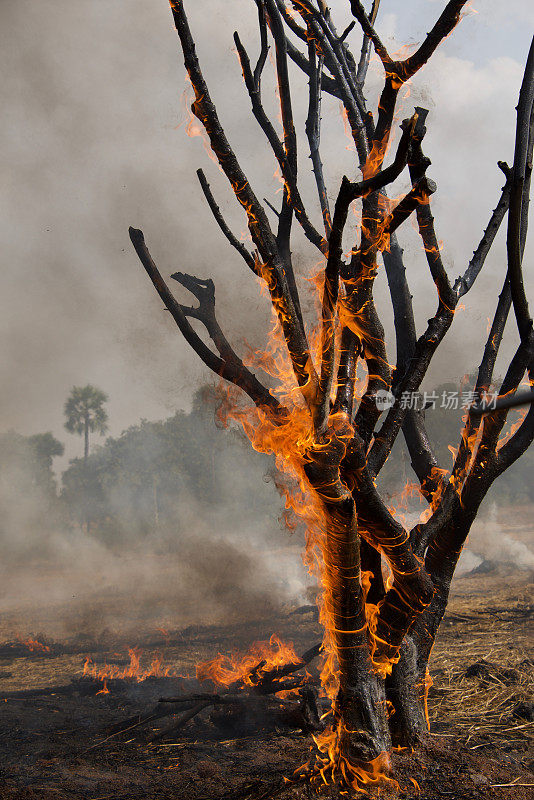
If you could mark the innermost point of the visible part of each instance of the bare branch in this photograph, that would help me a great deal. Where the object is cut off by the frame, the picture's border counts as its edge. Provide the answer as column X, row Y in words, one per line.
column 313, row 131
column 416, row 197
column 278, row 149
column 465, row 282
column 229, row 366
column 335, row 54
column 418, row 164
column 363, row 64
column 264, row 45
column 514, row 401
column 366, row 24
column 270, row 205
column 522, row 360
column 398, row 72
column 350, row 27
column 518, row 443
column 524, row 135
column 329, row 85
column 446, row 23
column 423, row 460
column 328, row 338
column 347, row 193
column 234, row 241
column 425, row 348
column 291, row 22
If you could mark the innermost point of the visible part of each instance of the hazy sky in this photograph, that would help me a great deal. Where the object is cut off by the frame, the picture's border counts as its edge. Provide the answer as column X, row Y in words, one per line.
column 92, row 141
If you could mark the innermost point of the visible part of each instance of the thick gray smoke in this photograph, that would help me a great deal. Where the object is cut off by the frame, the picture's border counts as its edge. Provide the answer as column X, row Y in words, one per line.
column 489, row 541
column 197, row 548
column 93, row 141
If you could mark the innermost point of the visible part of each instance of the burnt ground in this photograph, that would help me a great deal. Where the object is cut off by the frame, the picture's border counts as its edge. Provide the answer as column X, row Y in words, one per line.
column 54, row 726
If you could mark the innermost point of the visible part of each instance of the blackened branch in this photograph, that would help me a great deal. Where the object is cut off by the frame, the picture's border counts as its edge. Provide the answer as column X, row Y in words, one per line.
column 366, row 24
column 374, row 349
column 446, row 23
column 278, row 148
column 513, row 401
column 349, row 351
column 229, row 365
column 284, row 87
column 519, row 441
column 523, row 143
column 416, row 197
column 336, row 54
column 215, row 210
column 361, row 72
column 329, row 84
column 465, row 281
column 418, row 164
column 425, row 348
column 352, row 191
column 291, row 22
column 423, row 459
column 398, row 72
column 264, row 45
column 313, row 131
column 350, row 27
column 522, row 360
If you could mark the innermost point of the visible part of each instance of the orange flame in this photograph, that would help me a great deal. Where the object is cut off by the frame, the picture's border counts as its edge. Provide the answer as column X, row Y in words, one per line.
column 334, row 764
column 193, row 127
column 134, row 670
column 34, row 646
column 249, row 668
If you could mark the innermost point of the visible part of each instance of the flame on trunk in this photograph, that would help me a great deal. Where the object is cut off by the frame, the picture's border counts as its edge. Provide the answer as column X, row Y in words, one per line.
column 335, row 764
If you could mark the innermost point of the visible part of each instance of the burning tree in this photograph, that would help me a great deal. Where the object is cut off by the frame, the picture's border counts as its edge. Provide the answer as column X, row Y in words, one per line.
column 333, row 405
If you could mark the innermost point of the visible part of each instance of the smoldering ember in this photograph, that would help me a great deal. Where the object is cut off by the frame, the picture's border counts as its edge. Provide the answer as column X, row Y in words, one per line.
column 316, row 578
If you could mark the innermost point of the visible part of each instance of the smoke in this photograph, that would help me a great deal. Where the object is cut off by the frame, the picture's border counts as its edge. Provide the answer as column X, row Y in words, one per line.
column 205, row 548
column 94, row 142
column 488, row 541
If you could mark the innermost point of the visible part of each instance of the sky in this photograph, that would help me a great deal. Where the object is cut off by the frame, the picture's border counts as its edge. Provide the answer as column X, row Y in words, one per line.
column 93, row 140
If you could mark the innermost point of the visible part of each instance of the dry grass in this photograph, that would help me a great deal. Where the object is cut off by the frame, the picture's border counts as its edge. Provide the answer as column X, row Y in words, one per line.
column 476, row 706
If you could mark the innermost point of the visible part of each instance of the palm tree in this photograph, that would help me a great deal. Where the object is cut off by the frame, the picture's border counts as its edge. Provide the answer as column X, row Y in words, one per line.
column 84, row 412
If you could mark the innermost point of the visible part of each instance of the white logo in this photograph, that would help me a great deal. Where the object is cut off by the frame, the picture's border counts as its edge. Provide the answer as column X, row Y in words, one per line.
column 384, row 400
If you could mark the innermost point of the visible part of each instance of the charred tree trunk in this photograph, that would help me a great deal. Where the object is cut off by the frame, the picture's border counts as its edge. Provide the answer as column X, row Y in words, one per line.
column 359, row 708
column 86, row 439
column 406, row 689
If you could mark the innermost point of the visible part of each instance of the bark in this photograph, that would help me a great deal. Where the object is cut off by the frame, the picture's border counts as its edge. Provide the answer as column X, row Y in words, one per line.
column 360, row 707
column 86, row 439
column 406, row 689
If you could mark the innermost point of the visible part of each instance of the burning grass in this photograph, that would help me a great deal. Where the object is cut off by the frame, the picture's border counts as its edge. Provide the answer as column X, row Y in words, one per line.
column 56, row 736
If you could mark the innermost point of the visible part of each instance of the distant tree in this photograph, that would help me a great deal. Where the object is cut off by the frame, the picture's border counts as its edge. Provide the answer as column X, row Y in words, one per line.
column 46, row 447
column 85, row 412
column 150, row 477
column 31, row 513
